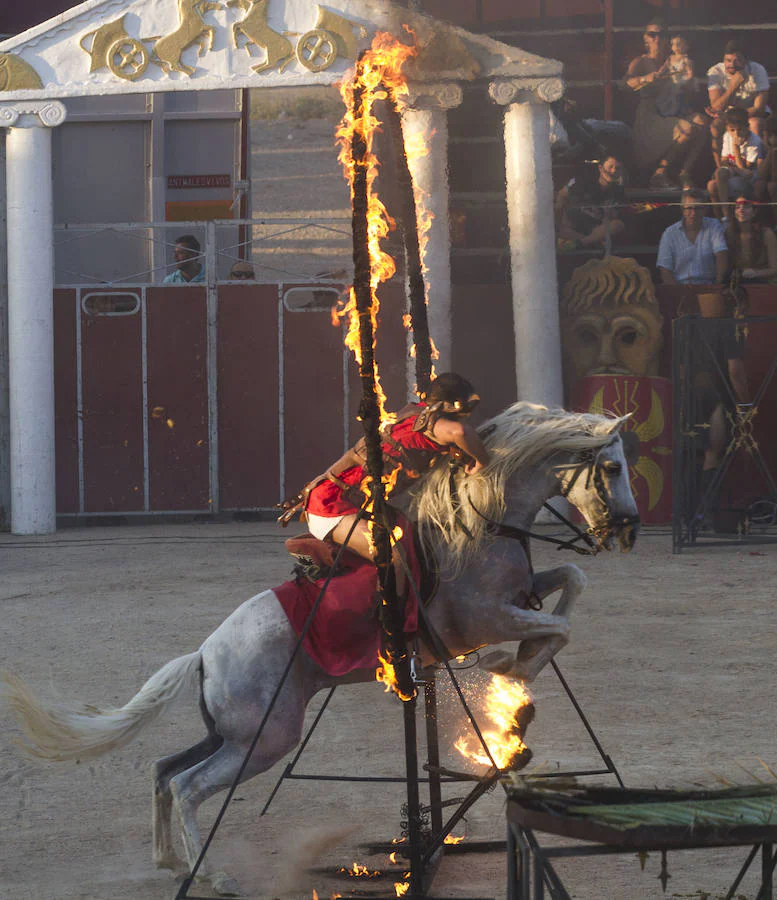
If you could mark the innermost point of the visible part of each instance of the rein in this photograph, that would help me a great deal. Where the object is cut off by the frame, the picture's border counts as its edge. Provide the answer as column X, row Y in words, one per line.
column 499, row 529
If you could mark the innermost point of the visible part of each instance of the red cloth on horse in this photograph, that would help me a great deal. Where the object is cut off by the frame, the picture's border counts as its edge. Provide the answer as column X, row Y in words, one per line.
column 326, row 499
column 345, row 633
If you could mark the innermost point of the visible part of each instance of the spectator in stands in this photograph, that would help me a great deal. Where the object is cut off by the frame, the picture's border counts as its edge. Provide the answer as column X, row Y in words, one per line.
column 677, row 97
column 738, row 82
column 752, row 247
column 741, row 152
column 242, row 271
column 189, row 269
column 693, row 250
column 586, row 207
column 765, row 186
column 665, row 140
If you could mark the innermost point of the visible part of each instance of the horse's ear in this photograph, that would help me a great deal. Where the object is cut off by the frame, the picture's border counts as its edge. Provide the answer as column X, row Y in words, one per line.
column 618, row 423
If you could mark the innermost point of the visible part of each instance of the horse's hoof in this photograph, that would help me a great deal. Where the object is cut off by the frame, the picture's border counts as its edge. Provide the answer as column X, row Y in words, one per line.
column 224, row 886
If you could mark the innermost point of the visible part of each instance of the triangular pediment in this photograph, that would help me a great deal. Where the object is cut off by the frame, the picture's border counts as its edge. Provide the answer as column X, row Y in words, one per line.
column 140, row 46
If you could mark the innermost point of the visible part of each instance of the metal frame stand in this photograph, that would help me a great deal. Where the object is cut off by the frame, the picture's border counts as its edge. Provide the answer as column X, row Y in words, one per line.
column 433, row 831
column 530, row 870
column 691, row 351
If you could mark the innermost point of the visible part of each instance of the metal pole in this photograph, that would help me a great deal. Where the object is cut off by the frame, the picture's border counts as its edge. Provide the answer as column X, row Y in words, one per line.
column 5, row 415
column 211, row 364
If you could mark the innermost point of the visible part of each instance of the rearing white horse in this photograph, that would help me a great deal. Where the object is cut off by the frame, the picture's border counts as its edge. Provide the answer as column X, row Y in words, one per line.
column 535, row 453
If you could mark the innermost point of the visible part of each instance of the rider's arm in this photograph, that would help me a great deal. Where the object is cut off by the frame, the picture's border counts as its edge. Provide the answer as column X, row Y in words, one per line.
column 463, row 436
column 349, row 459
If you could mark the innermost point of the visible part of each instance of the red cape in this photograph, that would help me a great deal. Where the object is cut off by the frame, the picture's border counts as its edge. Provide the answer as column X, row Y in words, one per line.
column 345, row 633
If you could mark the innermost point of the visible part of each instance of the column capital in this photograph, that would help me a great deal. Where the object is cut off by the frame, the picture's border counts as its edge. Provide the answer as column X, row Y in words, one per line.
column 32, row 114
column 434, row 95
column 522, row 90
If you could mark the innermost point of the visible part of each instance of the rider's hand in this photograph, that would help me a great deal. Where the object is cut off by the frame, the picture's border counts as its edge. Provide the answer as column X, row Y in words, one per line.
column 473, row 467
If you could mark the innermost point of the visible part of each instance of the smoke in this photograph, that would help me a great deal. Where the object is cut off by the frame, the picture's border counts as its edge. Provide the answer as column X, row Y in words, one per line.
column 301, row 851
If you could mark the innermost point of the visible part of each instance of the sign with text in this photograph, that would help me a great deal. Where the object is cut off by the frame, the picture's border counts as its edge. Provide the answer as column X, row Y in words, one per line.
column 177, row 182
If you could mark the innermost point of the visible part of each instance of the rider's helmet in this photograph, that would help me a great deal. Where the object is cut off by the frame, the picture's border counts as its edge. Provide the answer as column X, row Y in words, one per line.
column 450, row 395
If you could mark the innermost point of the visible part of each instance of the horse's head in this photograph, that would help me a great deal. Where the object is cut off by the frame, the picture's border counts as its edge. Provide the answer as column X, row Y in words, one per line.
column 597, row 482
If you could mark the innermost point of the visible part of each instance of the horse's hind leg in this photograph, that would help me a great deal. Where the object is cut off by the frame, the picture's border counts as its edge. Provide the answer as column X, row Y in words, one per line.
column 163, row 770
column 535, row 653
column 216, row 773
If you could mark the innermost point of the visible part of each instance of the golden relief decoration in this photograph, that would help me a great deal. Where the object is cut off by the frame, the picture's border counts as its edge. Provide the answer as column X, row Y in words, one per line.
column 17, row 75
column 110, row 46
column 191, row 30
column 113, row 48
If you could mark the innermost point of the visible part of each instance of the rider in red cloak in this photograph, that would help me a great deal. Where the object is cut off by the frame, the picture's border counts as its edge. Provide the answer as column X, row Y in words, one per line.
column 421, row 434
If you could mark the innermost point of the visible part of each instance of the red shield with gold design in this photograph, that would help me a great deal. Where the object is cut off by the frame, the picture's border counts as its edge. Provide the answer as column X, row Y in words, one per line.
column 649, row 400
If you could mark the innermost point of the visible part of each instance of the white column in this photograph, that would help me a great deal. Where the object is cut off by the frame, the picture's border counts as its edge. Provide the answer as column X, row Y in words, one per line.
column 31, row 312
column 532, row 236
column 425, row 122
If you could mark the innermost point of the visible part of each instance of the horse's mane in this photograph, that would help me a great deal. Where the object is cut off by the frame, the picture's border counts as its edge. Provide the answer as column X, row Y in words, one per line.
column 517, row 438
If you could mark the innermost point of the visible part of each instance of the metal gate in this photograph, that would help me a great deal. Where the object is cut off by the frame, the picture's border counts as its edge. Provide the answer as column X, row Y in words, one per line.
column 738, row 500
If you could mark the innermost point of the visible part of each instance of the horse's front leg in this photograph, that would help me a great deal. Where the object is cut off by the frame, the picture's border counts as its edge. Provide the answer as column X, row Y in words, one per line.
column 536, row 652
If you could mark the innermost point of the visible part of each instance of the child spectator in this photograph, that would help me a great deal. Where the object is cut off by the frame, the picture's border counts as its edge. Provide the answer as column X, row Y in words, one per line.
column 677, row 97
column 740, row 155
column 765, row 187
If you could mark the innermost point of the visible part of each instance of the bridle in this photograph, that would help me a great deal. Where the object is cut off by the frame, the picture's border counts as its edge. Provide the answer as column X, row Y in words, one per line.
column 593, row 537
column 589, row 460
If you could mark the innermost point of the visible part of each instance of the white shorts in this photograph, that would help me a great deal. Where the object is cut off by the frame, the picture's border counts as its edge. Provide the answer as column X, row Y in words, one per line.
column 322, row 526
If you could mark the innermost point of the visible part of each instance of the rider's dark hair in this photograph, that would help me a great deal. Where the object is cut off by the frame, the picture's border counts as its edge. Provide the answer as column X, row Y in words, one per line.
column 449, row 387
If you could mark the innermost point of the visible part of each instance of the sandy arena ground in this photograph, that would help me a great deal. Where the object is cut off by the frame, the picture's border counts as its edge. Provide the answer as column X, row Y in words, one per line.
column 672, row 659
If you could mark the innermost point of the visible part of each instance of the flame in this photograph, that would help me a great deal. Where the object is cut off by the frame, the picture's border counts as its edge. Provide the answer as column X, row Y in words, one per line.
column 331, row 896
column 503, row 699
column 386, row 675
column 359, row 871
column 393, row 858
column 381, row 76
column 453, row 839
column 401, row 888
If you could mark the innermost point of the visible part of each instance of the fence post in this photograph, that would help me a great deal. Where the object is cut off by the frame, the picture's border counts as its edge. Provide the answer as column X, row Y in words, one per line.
column 211, row 276
column 5, row 415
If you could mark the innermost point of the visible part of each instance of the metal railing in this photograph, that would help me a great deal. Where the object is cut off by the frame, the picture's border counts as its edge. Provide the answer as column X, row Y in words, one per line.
column 278, row 249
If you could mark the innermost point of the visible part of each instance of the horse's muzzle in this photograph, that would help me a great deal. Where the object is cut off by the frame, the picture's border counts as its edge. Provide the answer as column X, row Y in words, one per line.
column 627, row 534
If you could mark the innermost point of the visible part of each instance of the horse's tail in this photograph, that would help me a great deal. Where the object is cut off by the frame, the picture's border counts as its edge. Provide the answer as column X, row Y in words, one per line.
column 63, row 730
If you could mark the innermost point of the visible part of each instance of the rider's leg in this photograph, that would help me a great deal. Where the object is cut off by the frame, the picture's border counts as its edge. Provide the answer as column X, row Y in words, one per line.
column 360, row 542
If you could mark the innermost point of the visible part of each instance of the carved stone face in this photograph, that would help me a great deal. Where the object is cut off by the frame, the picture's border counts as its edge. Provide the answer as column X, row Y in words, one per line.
column 624, row 339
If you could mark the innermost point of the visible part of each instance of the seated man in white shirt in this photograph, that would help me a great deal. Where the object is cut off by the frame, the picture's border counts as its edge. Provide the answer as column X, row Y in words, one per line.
column 693, row 250
column 740, row 82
